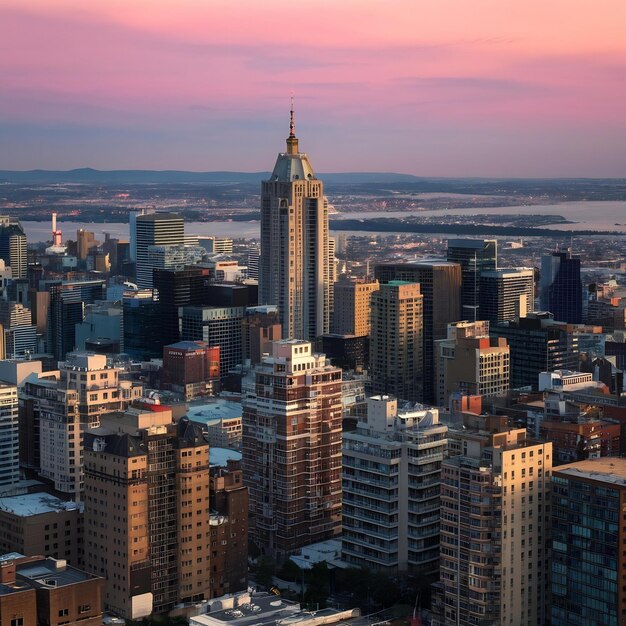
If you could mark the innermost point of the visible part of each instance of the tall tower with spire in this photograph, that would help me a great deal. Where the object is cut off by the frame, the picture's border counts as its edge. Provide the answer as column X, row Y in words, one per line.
column 295, row 263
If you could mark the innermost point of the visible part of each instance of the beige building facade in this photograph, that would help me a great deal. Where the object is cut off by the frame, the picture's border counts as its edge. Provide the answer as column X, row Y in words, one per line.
column 353, row 306
column 472, row 362
column 495, row 522
column 396, row 341
column 296, row 265
column 147, row 522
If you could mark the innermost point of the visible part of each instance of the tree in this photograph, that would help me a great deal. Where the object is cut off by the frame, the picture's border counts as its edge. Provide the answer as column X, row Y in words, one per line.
column 265, row 571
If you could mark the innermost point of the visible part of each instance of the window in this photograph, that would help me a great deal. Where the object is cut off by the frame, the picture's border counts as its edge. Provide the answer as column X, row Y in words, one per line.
column 17, row 621
column 83, row 608
column 63, row 612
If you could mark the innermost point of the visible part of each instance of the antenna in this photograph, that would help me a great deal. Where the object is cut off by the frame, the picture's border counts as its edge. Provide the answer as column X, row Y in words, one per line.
column 292, row 124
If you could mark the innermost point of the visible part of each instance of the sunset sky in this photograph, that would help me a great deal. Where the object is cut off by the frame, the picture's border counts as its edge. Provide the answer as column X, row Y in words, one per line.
column 432, row 88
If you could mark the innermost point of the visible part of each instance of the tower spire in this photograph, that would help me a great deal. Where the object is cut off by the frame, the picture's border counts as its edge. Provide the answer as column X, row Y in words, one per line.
column 292, row 140
column 292, row 124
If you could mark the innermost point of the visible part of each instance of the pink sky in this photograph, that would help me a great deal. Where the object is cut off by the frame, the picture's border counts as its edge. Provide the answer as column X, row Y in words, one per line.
column 436, row 88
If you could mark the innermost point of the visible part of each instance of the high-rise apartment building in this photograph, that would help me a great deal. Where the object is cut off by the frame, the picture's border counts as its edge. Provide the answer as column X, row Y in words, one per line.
column 155, row 229
column 396, row 342
column 474, row 256
column 292, row 448
column 13, row 248
column 9, row 435
column 63, row 404
column 472, row 362
column 561, row 289
column 588, row 538
column 353, row 306
column 440, row 286
column 495, row 523
column 391, row 471
column 295, row 271
column 147, row 522
column 506, row 294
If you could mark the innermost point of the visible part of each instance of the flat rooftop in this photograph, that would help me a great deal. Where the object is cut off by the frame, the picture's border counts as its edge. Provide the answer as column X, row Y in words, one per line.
column 28, row 504
column 51, row 573
column 610, row 470
column 212, row 411
column 220, row 456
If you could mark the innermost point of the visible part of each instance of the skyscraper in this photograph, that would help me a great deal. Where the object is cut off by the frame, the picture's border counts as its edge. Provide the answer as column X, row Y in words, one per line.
column 440, row 286
column 391, row 472
column 147, row 523
column 13, row 249
column 588, row 538
column 295, row 271
column 396, row 342
column 292, row 448
column 474, row 257
column 494, row 527
column 506, row 294
column 156, row 229
column 561, row 290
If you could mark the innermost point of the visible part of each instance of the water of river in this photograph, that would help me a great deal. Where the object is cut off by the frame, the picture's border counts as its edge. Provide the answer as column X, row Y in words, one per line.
column 609, row 215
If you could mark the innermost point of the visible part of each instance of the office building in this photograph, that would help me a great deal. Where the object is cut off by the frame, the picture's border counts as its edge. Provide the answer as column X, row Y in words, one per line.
column 66, row 310
column 155, row 229
column 103, row 322
column 561, row 289
column 216, row 245
column 85, row 241
column 13, row 246
column 191, row 368
column 261, row 327
column 349, row 352
column 143, row 335
column 147, row 523
column 174, row 289
column 471, row 362
column 495, row 524
column 229, row 529
column 352, row 312
column 295, row 255
column 59, row 406
column 40, row 523
column 396, row 342
column 391, row 472
column 440, row 286
column 506, row 294
column 474, row 256
column 252, row 261
column 9, row 436
column 216, row 326
column 38, row 590
column 292, row 448
column 588, row 535
column 538, row 344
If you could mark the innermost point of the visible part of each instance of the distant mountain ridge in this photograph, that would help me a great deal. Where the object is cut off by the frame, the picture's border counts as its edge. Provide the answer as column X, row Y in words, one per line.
column 89, row 176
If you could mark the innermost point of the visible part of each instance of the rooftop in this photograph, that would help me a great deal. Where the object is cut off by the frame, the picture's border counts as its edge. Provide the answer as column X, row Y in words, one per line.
column 605, row 470
column 29, row 504
column 220, row 456
column 212, row 411
column 51, row 573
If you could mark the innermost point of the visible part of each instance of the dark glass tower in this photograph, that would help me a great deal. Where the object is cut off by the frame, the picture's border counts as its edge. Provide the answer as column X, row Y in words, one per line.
column 561, row 287
column 474, row 256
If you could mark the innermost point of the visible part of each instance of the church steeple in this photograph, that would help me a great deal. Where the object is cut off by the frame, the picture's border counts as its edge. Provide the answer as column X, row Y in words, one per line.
column 292, row 140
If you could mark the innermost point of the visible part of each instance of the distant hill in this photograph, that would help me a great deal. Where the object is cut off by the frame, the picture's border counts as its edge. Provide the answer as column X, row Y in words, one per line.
column 88, row 176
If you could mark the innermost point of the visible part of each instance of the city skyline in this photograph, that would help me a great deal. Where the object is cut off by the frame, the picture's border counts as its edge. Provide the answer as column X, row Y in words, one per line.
column 482, row 90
